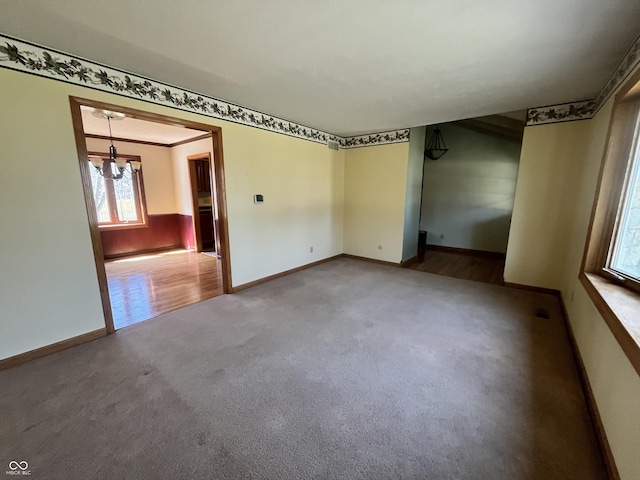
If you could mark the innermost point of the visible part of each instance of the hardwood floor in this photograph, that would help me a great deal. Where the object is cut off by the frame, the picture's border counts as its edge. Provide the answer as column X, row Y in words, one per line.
column 145, row 286
column 467, row 267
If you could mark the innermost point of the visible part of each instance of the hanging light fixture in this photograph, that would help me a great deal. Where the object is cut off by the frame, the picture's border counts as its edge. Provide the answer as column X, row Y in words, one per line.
column 121, row 163
column 435, row 148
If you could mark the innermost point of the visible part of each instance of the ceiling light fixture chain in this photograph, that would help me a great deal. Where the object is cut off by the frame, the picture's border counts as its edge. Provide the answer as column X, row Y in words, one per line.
column 121, row 163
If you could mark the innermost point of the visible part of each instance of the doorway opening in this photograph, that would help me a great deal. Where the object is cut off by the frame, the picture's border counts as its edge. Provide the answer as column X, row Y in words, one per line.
column 141, row 211
column 204, row 202
column 467, row 197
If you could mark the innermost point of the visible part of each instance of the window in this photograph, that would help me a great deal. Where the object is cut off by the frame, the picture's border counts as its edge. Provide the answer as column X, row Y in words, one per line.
column 619, row 257
column 623, row 259
column 610, row 270
column 119, row 203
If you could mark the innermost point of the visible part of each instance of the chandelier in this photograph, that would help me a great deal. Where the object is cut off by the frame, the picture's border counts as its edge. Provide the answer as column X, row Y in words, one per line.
column 436, row 147
column 121, row 163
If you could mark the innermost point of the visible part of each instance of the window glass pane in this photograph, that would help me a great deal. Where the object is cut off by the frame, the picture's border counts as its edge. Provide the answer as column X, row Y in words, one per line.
column 125, row 195
column 626, row 253
column 99, row 195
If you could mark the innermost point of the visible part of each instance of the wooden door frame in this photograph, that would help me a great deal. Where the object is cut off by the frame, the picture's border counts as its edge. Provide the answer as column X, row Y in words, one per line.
column 197, row 237
column 222, row 248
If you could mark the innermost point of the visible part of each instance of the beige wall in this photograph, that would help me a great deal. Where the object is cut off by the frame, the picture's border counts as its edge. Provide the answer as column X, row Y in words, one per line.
column 48, row 285
column 468, row 194
column 375, row 180
column 551, row 165
column 180, row 166
column 303, row 187
column 556, row 187
column 157, row 171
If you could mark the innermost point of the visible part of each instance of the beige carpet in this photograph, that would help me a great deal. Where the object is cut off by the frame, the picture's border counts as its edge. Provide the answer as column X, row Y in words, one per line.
column 348, row 370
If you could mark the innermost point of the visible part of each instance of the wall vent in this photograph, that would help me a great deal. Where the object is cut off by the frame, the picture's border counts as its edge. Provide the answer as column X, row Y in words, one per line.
column 333, row 145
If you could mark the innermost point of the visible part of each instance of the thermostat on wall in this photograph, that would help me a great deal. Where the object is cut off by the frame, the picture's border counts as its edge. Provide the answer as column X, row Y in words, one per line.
column 258, row 198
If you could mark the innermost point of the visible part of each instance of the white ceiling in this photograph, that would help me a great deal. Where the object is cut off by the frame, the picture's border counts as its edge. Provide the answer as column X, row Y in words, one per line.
column 349, row 66
column 135, row 129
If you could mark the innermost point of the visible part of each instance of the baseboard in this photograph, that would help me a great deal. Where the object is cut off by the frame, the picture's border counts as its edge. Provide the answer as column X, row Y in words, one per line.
column 144, row 252
column 244, row 286
column 372, row 260
column 410, row 262
column 596, row 420
column 531, row 288
column 53, row 348
column 466, row 251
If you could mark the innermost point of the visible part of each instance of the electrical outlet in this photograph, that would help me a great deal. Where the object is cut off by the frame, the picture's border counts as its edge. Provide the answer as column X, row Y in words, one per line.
column 311, row 249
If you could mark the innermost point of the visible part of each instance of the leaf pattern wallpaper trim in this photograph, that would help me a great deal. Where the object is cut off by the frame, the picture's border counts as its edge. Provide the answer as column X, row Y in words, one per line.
column 27, row 57
column 585, row 110
column 565, row 112
column 382, row 138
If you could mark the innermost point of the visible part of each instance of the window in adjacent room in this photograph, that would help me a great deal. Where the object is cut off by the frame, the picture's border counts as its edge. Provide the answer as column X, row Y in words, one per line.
column 119, row 202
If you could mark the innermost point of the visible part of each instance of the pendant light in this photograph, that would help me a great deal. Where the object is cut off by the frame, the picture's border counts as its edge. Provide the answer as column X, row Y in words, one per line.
column 435, row 147
column 121, row 163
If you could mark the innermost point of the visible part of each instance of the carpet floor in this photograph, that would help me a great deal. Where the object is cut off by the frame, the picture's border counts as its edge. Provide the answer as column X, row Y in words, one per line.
column 347, row 370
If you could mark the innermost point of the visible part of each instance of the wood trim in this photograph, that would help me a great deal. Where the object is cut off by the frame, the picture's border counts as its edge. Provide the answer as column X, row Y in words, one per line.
column 596, row 419
column 144, row 252
column 630, row 91
column 612, row 178
column 410, row 262
column 53, row 348
column 618, row 305
column 144, row 142
column 466, row 251
column 189, row 140
column 126, row 156
column 531, row 288
column 245, row 286
column 105, row 227
column 92, row 216
column 193, row 185
column 371, row 260
column 197, row 237
column 218, row 161
column 150, row 116
column 127, row 140
column 595, row 231
column 222, row 236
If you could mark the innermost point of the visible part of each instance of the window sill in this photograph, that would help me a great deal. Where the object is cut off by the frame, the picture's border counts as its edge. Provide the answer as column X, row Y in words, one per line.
column 620, row 308
column 123, row 226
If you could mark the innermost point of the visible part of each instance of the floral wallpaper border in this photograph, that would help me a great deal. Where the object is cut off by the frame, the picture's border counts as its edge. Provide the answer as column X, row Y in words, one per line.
column 382, row 138
column 16, row 54
column 586, row 109
column 27, row 57
column 564, row 112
